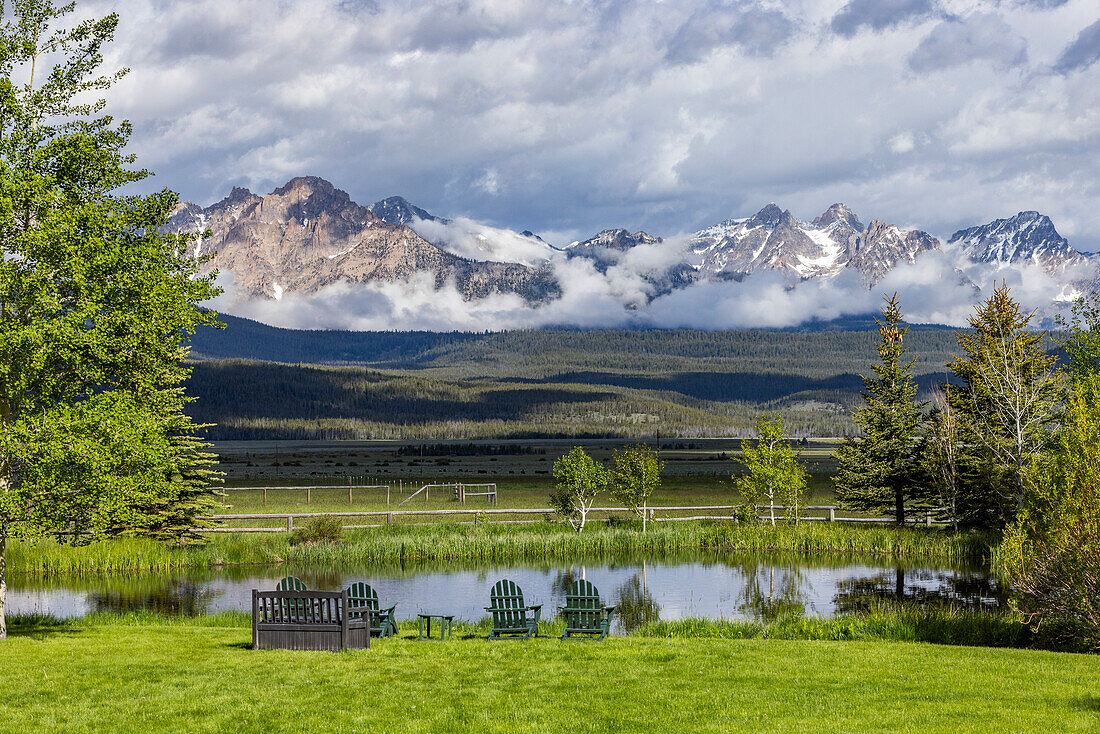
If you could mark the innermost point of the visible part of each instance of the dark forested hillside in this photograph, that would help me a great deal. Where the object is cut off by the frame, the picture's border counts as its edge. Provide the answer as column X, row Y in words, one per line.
column 424, row 385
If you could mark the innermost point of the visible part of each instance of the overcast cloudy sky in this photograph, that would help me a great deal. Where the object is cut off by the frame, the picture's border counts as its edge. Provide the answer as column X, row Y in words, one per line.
column 571, row 117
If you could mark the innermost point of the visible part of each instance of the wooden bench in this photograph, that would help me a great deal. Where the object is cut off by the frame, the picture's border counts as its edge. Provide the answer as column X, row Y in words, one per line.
column 308, row 620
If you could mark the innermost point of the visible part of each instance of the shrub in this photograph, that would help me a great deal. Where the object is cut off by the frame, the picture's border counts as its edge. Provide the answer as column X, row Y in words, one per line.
column 318, row 530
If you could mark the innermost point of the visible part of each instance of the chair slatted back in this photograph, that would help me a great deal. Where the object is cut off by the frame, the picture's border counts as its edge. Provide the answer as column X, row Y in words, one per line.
column 506, row 600
column 362, row 595
column 583, row 609
column 292, row 583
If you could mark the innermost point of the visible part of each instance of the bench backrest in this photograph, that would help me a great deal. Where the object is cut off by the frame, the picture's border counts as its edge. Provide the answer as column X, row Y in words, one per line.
column 362, row 595
column 506, row 601
column 582, row 605
column 300, row 607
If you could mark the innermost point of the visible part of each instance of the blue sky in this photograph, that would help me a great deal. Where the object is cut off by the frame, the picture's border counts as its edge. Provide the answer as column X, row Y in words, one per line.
column 570, row 117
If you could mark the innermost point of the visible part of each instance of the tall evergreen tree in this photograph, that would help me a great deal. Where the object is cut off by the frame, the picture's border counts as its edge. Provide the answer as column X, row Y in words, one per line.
column 94, row 302
column 876, row 470
column 1008, row 397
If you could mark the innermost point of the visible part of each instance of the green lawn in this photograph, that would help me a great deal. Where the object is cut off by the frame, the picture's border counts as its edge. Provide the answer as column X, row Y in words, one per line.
column 175, row 677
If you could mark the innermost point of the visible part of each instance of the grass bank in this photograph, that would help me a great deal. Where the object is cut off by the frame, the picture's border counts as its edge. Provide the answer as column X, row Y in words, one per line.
column 446, row 541
column 199, row 676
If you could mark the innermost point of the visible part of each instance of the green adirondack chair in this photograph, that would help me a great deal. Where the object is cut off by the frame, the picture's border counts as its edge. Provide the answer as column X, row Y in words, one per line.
column 510, row 615
column 382, row 622
column 583, row 613
column 294, row 607
column 291, row 583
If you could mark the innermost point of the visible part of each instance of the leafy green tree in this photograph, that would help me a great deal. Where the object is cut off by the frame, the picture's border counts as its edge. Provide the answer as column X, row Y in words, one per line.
column 773, row 471
column 94, row 302
column 579, row 479
column 1080, row 337
column 942, row 453
column 1051, row 555
column 1008, row 393
column 636, row 476
column 877, row 470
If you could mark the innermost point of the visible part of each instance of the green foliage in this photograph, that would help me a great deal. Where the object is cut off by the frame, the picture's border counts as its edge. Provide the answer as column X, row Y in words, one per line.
column 489, row 542
column 94, row 301
column 636, row 476
column 1080, row 337
column 579, row 479
column 325, row 529
column 941, row 455
column 774, row 472
column 1007, row 398
column 1052, row 553
column 878, row 469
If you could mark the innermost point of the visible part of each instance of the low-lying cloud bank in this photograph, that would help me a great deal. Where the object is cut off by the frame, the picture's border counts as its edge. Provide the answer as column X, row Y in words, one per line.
column 934, row 289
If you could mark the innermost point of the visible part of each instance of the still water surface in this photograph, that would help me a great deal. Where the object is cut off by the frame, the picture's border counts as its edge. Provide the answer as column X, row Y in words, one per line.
column 704, row 584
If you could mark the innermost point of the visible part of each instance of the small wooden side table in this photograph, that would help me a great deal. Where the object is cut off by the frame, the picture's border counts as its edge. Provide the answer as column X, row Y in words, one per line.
column 446, row 621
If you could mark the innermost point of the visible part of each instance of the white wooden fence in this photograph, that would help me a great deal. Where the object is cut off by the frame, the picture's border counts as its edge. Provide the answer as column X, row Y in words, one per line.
column 921, row 516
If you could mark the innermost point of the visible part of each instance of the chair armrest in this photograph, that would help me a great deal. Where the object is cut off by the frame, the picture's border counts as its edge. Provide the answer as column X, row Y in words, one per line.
column 537, row 609
column 388, row 612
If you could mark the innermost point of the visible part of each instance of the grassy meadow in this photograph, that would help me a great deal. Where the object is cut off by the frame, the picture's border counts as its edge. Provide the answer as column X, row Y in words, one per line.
column 198, row 675
column 488, row 542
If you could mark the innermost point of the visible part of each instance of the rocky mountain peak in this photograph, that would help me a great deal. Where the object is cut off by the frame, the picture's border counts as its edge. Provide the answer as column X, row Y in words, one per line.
column 770, row 216
column 398, row 210
column 838, row 214
column 1027, row 236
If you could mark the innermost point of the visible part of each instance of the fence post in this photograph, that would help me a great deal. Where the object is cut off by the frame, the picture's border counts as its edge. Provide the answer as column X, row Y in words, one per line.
column 289, row 523
column 928, row 519
column 832, row 514
column 389, row 518
column 309, row 491
column 349, row 492
column 265, row 496
column 387, row 495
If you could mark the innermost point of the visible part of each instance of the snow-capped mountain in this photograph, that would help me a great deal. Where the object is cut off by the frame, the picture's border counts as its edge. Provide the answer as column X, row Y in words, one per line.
column 607, row 247
column 308, row 234
column 1028, row 237
column 772, row 239
column 398, row 210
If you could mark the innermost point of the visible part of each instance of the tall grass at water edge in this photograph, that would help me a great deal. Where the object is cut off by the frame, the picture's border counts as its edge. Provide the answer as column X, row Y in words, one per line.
column 448, row 541
column 944, row 625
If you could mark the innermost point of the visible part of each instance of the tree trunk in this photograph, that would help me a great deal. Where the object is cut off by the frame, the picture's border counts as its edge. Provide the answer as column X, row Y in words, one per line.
column 644, row 513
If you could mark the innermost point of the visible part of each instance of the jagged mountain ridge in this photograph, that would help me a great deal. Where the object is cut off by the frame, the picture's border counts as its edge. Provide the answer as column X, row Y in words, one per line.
column 308, row 234
column 1026, row 237
column 772, row 239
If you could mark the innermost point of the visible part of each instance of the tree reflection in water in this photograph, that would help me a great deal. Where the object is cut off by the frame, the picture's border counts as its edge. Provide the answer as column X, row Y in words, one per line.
column 636, row 605
column 181, row 598
column 925, row 587
column 771, row 591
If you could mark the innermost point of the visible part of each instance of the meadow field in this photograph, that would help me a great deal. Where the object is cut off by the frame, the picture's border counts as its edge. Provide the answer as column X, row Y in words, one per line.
column 142, row 673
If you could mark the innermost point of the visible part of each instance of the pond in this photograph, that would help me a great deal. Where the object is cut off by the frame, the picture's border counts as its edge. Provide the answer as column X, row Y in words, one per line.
column 712, row 585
